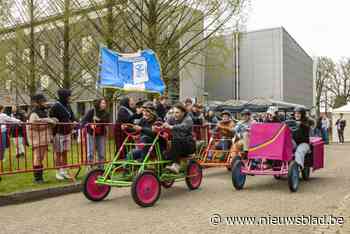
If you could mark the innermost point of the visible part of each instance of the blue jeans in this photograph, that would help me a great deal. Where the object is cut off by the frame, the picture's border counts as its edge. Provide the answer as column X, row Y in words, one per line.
column 325, row 136
column 96, row 145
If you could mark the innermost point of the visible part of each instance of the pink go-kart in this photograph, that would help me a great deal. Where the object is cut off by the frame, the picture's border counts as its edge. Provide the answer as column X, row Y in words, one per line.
column 271, row 153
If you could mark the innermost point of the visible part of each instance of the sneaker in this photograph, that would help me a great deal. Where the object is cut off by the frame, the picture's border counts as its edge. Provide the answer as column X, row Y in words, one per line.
column 174, row 168
column 40, row 181
column 59, row 176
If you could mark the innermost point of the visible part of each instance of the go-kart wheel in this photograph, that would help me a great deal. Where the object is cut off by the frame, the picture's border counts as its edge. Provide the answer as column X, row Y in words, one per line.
column 93, row 191
column 194, row 175
column 167, row 184
column 305, row 173
column 238, row 178
column 233, row 160
column 293, row 176
column 145, row 189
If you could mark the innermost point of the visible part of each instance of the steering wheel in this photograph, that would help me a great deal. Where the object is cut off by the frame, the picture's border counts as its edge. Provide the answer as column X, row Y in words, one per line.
column 163, row 132
column 130, row 130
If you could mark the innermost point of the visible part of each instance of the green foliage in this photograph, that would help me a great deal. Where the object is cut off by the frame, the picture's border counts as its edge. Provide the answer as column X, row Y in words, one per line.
column 339, row 101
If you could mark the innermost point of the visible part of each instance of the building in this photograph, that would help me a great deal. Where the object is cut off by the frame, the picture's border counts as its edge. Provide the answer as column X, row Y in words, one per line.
column 267, row 63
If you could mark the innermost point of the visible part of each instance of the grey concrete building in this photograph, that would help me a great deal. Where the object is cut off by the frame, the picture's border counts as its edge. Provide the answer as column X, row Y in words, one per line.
column 266, row 63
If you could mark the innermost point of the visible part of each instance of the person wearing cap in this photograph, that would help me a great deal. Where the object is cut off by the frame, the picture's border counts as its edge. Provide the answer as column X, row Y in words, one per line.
column 182, row 142
column 4, row 121
column 242, row 129
column 226, row 129
column 272, row 115
column 149, row 117
column 301, row 137
column 94, row 121
column 62, row 111
column 39, row 134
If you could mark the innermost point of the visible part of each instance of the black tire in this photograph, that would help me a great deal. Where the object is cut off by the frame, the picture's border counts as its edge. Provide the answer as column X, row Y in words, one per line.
column 138, row 190
column 87, row 183
column 238, row 178
column 167, row 184
column 234, row 159
column 193, row 183
column 305, row 173
column 293, row 176
column 277, row 177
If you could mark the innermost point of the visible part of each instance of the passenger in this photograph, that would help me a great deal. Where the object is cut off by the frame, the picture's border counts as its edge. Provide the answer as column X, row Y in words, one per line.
column 182, row 143
column 242, row 129
column 126, row 111
column 147, row 131
column 272, row 115
column 301, row 136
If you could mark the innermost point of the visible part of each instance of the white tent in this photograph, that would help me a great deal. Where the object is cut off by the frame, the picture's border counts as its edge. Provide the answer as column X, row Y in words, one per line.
column 345, row 110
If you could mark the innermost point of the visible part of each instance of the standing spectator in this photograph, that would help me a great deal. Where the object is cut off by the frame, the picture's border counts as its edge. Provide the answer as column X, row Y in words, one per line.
column 5, row 119
column 188, row 105
column 196, row 115
column 341, row 124
column 325, row 129
column 96, row 131
column 126, row 112
column 40, row 134
column 62, row 111
column 211, row 118
column 316, row 128
column 18, row 131
column 161, row 107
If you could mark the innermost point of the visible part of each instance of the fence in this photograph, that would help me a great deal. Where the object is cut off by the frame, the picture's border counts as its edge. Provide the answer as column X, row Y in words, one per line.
column 25, row 147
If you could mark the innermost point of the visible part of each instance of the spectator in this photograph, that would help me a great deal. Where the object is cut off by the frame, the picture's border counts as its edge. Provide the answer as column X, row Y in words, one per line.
column 272, row 115
column 341, row 124
column 161, row 107
column 39, row 134
column 139, row 110
column 126, row 113
column 18, row 131
column 62, row 111
column 4, row 120
column 316, row 129
column 196, row 115
column 188, row 105
column 211, row 119
column 96, row 130
column 325, row 129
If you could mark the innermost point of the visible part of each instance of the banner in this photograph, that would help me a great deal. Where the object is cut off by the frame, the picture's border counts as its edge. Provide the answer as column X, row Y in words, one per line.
column 131, row 72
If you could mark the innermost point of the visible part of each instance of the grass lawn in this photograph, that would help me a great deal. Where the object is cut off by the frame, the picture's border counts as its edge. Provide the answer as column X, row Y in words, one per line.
column 24, row 181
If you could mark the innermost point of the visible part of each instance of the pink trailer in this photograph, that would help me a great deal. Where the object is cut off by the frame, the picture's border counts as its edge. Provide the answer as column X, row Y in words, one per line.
column 271, row 153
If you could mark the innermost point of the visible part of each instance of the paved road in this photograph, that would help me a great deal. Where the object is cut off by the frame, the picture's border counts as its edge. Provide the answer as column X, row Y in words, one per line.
column 181, row 211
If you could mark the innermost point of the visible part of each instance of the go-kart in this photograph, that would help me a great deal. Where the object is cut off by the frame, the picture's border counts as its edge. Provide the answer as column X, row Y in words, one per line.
column 145, row 177
column 271, row 153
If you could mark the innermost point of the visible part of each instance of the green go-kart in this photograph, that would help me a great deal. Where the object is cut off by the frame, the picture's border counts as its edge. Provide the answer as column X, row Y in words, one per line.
column 144, row 177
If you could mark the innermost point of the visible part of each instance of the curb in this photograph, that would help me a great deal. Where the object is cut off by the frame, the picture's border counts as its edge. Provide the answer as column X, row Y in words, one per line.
column 39, row 194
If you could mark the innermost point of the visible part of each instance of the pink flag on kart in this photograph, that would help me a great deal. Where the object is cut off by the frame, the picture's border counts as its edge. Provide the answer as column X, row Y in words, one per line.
column 270, row 141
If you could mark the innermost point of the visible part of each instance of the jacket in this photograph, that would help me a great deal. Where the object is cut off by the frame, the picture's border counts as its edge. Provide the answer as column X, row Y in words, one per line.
column 64, row 114
column 93, row 116
column 302, row 133
column 182, row 130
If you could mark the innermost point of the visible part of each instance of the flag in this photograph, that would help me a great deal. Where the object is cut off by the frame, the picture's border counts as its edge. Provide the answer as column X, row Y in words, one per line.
column 130, row 72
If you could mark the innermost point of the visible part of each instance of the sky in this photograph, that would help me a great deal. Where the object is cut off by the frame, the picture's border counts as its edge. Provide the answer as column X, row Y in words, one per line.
column 321, row 27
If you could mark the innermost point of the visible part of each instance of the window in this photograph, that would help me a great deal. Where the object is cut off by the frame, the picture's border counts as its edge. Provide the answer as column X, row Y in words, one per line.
column 86, row 44
column 26, row 55
column 87, row 78
column 44, row 82
column 43, row 51
column 8, row 85
column 9, row 59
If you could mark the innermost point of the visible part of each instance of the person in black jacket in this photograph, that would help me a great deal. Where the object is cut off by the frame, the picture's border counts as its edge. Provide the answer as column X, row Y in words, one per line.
column 161, row 107
column 182, row 143
column 301, row 136
column 126, row 112
column 62, row 111
column 147, row 131
column 18, row 131
column 94, row 121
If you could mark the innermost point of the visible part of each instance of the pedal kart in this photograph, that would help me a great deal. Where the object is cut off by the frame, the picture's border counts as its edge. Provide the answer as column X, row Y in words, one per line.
column 271, row 153
column 214, row 156
column 145, row 177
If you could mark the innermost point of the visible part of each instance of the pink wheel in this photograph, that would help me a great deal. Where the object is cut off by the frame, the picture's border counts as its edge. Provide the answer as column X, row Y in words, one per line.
column 145, row 189
column 93, row 191
column 194, row 175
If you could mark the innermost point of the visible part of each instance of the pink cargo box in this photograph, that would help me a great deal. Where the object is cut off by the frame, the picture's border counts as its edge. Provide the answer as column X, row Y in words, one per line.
column 317, row 145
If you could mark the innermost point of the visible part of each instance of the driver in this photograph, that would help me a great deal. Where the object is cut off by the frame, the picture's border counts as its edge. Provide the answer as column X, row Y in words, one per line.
column 149, row 117
column 301, row 135
column 182, row 143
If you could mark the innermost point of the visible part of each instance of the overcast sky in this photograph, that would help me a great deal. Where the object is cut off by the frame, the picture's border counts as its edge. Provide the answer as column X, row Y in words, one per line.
column 321, row 27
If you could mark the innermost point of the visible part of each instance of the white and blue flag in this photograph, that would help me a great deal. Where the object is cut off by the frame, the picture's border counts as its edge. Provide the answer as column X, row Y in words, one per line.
column 134, row 72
